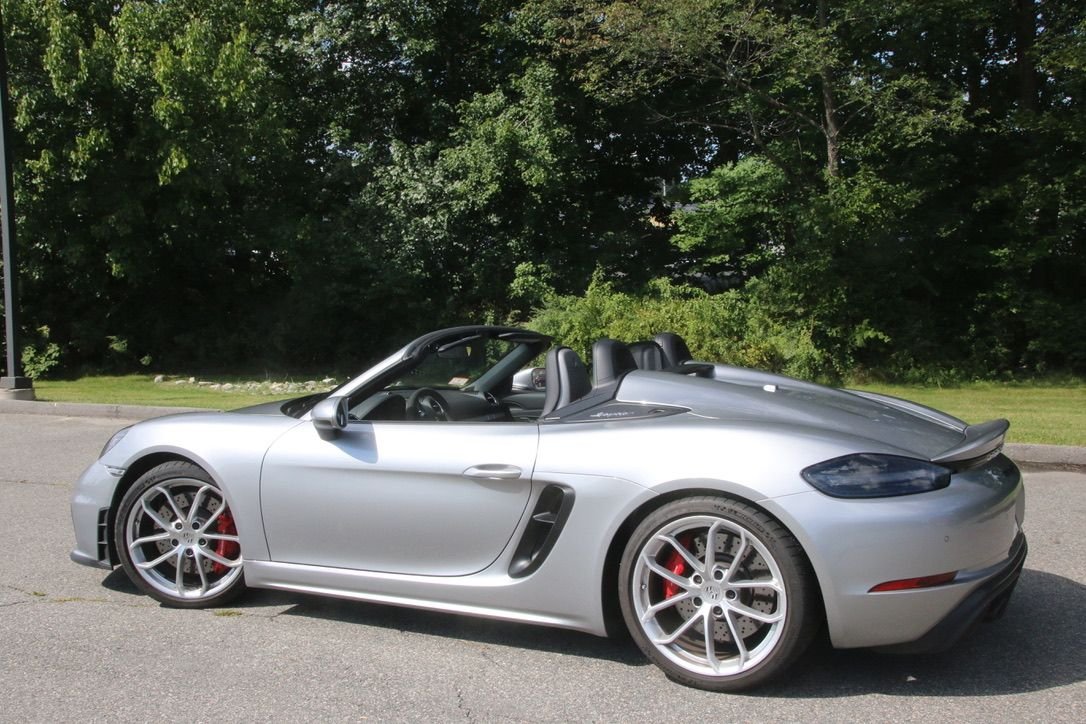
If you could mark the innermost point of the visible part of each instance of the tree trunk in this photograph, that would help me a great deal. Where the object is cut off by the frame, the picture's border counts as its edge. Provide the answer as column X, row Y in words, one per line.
column 831, row 128
column 1025, row 34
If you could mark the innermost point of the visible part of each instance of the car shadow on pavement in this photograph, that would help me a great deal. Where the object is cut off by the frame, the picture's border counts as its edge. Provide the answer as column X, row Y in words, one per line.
column 620, row 650
column 1039, row 644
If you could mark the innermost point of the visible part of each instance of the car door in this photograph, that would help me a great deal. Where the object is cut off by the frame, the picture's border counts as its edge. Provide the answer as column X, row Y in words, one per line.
column 424, row 498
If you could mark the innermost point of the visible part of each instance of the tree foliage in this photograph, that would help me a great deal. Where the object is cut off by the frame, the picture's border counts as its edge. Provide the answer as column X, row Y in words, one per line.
column 817, row 186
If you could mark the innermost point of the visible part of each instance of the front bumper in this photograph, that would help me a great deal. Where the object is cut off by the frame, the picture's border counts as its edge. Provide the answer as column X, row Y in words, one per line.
column 91, row 502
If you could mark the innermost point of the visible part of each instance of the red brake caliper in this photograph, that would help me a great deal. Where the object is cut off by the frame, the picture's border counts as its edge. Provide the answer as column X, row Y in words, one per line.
column 677, row 565
column 225, row 548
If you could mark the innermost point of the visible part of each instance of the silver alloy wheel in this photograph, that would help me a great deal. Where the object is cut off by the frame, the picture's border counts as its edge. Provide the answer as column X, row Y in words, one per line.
column 709, row 595
column 182, row 539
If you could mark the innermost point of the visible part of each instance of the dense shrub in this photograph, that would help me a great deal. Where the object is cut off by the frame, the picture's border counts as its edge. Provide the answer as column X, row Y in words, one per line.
column 743, row 327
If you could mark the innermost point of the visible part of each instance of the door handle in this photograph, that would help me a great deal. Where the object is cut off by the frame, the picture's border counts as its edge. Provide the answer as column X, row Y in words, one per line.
column 493, row 472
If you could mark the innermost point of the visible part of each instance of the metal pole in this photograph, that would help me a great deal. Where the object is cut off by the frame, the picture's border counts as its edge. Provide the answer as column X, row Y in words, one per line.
column 13, row 381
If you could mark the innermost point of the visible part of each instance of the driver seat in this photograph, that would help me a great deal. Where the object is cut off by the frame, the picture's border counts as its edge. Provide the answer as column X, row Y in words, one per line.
column 567, row 379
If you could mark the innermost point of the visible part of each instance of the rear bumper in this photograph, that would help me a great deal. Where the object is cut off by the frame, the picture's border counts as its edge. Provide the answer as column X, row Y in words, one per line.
column 973, row 528
column 987, row 602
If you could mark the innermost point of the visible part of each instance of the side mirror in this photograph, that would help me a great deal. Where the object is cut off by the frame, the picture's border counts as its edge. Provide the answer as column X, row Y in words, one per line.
column 329, row 416
column 530, row 378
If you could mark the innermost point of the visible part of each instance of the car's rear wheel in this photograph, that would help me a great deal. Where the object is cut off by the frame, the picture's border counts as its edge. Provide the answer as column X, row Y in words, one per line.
column 717, row 593
column 177, row 539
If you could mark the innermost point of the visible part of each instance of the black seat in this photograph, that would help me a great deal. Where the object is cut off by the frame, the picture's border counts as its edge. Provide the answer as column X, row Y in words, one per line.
column 648, row 355
column 675, row 350
column 610, row 360
column 567, row 379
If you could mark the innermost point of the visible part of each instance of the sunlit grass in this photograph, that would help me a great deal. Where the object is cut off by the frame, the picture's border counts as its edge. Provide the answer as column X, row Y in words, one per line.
column 1039, row 412
column 143, row 390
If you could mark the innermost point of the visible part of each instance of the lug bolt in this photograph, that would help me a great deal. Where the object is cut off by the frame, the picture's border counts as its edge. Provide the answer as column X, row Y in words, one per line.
column 697, row 601
column 196, row 526
column 718, row 611
column 188, row 552
column 173, row 542
column 177, row 525
column 718, row 575
column 203, row 542
column 730, row 595
column 697, row 579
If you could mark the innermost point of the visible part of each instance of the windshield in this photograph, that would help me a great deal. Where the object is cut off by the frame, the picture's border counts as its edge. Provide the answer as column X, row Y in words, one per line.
column 455, row 366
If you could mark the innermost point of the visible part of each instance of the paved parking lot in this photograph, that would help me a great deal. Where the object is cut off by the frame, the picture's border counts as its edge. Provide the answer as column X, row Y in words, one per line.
column 80, row 644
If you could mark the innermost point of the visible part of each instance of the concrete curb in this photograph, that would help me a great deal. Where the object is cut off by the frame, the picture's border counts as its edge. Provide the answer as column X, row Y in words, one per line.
column 86, row 409
column 1024, row 453
column 1054, row 455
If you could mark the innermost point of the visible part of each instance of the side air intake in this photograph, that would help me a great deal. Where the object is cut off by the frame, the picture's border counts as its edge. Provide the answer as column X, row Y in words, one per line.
column 549, row 515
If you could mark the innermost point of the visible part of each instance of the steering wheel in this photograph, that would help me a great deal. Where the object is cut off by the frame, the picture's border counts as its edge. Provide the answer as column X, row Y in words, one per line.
column 428, row 404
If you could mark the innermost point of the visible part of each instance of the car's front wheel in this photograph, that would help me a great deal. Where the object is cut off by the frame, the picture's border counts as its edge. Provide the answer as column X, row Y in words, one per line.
column 177, row 539
column 717, row 593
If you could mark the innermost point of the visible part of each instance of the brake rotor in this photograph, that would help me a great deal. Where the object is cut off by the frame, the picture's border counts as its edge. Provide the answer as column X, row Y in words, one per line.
column 725, row 549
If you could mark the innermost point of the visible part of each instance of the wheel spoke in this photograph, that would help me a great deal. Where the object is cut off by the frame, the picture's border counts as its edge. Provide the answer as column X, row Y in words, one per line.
column 710, row 644
column 147, row 565
column 219, row 559
column 666, row 603
column 179, row 577
column 670, row 638
column 173, row 504
column 710, row 546
column 196, row 559
column 667, row 575
column 744, row 546
column 740, row 645
column 148, row 539
column 771, row 583
column 754, row 613
column 153, row 515
column 682, row 551
column 220, row 536
column 197, row 498
column 215, row 516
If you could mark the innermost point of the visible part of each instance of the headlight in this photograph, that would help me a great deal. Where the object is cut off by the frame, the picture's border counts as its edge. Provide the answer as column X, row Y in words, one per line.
column 117, row 437
column 871, row 475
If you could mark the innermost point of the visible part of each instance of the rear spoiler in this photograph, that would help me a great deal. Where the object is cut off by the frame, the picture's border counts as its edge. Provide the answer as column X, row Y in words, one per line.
column 981, row 442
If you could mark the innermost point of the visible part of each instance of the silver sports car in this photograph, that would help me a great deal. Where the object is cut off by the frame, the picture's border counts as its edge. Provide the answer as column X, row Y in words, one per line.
column 721, row 515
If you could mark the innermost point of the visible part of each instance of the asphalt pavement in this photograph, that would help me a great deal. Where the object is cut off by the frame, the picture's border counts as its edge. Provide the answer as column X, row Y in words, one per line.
column 81, row 644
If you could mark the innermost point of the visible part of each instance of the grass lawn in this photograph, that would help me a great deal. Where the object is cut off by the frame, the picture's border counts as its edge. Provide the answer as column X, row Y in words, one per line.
column 143, row 390
column 1039, row 412
column 1053, row 414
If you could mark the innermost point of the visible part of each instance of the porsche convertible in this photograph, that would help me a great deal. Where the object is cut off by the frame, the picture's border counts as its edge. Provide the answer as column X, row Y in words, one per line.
column 720, row 515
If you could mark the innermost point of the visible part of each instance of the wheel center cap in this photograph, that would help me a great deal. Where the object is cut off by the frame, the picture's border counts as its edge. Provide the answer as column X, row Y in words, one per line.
column 188, row 537
column 711, row 592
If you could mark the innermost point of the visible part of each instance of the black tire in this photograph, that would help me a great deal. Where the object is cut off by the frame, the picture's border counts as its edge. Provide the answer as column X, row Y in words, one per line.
column 663, row 595
column 157, row 529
